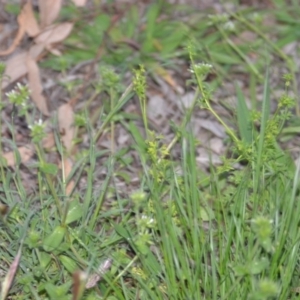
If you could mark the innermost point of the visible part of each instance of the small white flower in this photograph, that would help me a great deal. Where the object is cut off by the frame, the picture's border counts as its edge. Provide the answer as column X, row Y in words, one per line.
column 229, row 26
column 36, row 124
column 201, row 69
column 203, row 65
column 148, row 221
column 19, row 86
column 39, row 122
column 11, row 93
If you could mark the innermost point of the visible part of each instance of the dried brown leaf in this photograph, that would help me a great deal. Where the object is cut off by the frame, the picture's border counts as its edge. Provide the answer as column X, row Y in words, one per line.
column 167, row 77
column 35, row 86
column 65, row 123
column 25, row 152
column 54, row 33
column 48, row 142
column 79, row 3
column 30, row 23
column 19, row 36
column 49, row 10
column 16, row 66
column 36, row 50
column 27, row 23
column 53, row 50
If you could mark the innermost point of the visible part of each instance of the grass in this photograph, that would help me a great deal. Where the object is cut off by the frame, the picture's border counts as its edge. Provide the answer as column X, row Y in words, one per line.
column 182, row 233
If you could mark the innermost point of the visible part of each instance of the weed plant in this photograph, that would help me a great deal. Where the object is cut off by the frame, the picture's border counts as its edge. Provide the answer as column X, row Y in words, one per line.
column 183, row 233
column 232, row 234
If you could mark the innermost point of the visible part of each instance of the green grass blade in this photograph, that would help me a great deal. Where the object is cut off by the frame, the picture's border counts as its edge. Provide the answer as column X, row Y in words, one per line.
column 243, row 117
column 265, row 113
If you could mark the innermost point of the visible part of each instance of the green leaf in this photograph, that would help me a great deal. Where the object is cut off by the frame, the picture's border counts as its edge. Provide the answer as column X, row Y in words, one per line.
column 153, row 264
column 132, row 22
column 52, row 241
column 152, row 15
column 68, row 263
column 45, row 259
column 74, row 212
column 224, row 58
column 58, row 292
column 206, row 214
column 101, row 23
column 48, row 168
column 122, row 231
column 3, row 161
column 173, row 39
column 264, row 119
column 137, row 136
column 12, row 9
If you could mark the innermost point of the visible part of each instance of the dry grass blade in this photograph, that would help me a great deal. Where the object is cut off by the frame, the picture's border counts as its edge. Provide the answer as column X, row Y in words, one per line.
column 66, row 122
column 67, row 165
column 10, row 276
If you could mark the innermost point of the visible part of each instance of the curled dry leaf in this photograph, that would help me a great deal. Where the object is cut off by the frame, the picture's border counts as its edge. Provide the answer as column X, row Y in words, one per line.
column 26, row 152
column 65, row 122
column 54, row 34
column 49, row 10
column 35, row 86
column 79, row 2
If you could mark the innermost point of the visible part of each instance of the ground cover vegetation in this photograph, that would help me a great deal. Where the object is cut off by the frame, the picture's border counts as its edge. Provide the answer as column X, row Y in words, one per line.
column 117, row 207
